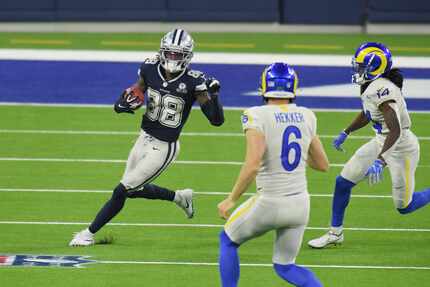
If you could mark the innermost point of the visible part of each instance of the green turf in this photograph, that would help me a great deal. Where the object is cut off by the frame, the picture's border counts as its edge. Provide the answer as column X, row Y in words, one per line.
column 411, row 45
column 188, row 244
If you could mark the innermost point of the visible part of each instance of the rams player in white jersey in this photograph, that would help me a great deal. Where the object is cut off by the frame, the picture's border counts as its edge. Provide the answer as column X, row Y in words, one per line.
column 394, row 145
column 281, row 140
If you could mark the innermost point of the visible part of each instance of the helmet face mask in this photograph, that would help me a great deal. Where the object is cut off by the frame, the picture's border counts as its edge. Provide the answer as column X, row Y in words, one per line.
column 359, row 72
column 371, row 61
column 176, row 50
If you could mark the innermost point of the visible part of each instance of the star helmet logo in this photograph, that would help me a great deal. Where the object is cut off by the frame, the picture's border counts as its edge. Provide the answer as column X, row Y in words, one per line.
column 44, row 260
column 182, row 88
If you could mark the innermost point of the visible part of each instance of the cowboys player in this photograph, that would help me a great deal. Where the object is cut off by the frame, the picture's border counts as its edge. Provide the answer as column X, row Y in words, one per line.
column 281, row 140
column 394, row 146
column 171, row 88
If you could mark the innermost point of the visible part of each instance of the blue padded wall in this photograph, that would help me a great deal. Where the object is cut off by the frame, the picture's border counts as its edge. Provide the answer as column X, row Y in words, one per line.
column 27, row 10
column 223, row 10
column 399, row 11
column 102, row 10
column 343, row 12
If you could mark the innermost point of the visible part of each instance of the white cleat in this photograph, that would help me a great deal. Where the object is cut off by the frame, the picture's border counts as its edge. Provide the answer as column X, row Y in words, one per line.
column 82, row 238
column 330, row 238
column 184, row 199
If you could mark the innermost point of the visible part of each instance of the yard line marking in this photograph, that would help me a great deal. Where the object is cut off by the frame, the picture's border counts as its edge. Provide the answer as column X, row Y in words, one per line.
column 129, row 43
column 265, row 265
column 196, row 134
column 201, row 225
column 313, row 47
column 200, row 58
column 201, row 45
column 109, row 106
column 214, row 193
column 40, row 42
column 93, row 160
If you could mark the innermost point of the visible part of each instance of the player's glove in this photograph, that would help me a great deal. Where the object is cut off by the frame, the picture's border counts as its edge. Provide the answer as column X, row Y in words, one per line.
column 374, row 173
column 122, row 106
column 130, row 100
column 213, row 86
column 337, row 142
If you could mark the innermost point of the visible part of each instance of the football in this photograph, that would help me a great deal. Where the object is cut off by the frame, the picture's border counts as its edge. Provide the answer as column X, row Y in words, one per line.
column 134, row 97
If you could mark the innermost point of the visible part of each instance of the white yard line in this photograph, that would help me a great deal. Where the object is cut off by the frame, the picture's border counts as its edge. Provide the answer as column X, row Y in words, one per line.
column 208, row 193
column 186, row 162
column 181, row 225
column 201, row 57
column 129, row 133
column 242, row 108
column 183, row 263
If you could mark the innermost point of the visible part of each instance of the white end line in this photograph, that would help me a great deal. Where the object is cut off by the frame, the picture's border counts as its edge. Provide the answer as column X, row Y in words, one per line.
column 265, row 265
column 181, row 225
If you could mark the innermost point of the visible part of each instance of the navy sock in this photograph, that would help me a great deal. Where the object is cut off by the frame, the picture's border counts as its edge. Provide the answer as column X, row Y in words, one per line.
column 419, row 199
column 297, row 275
column 152, row 191
column 110, row 209
column 342, row 194
column 228, row 261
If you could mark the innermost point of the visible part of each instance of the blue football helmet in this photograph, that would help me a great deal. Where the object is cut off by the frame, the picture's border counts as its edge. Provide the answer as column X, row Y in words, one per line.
column 371, row 61
column 279, row 81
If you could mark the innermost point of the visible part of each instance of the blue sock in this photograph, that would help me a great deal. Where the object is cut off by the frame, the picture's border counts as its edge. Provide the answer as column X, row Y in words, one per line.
column 419, row 199
column 297, row 275
column 342, row 194
column 228, row 261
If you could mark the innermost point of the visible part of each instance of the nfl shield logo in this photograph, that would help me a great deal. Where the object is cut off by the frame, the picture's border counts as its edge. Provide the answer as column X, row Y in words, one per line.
column 44, row 260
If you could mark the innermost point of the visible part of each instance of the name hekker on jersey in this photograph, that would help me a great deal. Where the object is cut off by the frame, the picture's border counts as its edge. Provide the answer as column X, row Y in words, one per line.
column 378, row 92
column 168, row 103
column 288, row 131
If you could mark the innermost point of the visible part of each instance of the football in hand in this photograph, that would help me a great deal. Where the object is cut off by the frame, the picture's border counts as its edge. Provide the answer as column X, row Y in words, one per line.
column 134, row 97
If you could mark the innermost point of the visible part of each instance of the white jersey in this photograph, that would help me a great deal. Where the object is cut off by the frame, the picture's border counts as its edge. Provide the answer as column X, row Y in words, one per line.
column 378, row 92
column 288, row 130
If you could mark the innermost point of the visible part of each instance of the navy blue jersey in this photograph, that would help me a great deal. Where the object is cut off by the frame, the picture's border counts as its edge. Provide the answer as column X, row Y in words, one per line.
column 168, row 103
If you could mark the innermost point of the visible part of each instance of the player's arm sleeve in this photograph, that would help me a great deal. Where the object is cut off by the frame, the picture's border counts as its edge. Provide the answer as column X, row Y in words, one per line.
column 141, row 77
column 210, row 105
column 251, row 120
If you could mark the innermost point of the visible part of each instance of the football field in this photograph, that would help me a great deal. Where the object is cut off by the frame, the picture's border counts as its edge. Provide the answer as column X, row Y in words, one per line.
column 59, row 164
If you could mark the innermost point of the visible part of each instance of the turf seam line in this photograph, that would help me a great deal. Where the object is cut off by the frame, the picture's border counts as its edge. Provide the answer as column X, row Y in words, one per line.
column 265, row 265
column 214, row 193
column 127, row 133
column 183, row 225
column 122, row 161
column 228, row 108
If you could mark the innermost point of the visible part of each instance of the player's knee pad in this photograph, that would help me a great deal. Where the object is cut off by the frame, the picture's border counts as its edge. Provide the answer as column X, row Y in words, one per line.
column 119, row 193
column 225, row 240
column 343, row 183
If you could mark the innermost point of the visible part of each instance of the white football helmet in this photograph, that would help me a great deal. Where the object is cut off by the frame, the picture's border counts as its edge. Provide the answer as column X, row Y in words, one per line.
column 176, row 50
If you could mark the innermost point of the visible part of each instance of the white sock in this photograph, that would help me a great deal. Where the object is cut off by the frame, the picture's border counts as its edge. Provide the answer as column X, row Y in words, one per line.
column 177, row 198
column 88, row 232
column 336, row 230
